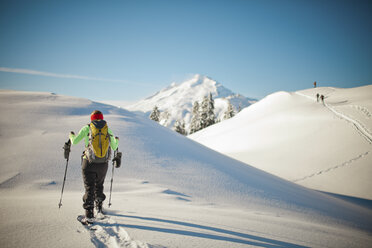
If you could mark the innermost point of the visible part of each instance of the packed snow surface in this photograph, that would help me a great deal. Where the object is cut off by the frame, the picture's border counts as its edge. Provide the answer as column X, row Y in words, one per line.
column 175, row 102
column 324, row 146
column 169, row 192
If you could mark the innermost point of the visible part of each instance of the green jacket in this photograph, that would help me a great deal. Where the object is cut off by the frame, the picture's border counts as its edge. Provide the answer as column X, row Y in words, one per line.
column 84, row 133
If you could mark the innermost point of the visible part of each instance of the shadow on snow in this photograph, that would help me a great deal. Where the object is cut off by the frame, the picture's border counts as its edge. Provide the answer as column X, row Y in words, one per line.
column 242, row 238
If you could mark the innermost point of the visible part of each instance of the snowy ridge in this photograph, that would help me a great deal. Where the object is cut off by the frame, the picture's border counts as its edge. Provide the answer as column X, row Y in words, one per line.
column 177, row 100
column 169, row 192
column 306, row 143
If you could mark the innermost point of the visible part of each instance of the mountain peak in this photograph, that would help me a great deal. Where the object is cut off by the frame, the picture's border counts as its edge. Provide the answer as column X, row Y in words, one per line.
column 176, row 100
column 198, row 79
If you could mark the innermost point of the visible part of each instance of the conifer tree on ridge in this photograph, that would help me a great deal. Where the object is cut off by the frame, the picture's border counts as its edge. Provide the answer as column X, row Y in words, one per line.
column 155, row 114
column 195, row 120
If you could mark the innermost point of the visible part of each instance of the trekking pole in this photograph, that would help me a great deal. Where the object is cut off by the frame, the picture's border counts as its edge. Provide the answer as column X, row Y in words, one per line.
column 66, row 147
column 112, row 176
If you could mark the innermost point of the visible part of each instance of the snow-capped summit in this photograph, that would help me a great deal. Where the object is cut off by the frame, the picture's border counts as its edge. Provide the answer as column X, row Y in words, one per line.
column 176, row 101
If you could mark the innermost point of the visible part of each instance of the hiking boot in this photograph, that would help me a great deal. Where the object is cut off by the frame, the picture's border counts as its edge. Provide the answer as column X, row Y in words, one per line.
column 89, row 214
column 99, row 207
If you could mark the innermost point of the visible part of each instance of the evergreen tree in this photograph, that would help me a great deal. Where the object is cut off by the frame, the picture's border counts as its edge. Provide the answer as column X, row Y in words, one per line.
column 203, row 113
column 195, row 120
column 229, row 112
column 207, row 116
column 179, row 127
column 184, row 132
column 155, row 114
column 211, row 115
column 164, row 118
column 240, row 107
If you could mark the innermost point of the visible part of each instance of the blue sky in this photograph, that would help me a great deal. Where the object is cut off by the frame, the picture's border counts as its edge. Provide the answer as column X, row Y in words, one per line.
column 128, row 50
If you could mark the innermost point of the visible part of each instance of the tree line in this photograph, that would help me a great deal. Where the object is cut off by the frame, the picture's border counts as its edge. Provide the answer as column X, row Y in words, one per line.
column 202, row 116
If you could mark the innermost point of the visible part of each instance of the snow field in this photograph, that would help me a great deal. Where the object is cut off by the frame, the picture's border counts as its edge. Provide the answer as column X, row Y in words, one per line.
column 169, row 192
column 144, row 218
column 293, row 136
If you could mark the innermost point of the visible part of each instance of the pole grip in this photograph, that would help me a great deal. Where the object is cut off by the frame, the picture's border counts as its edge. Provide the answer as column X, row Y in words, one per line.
column 67, row 149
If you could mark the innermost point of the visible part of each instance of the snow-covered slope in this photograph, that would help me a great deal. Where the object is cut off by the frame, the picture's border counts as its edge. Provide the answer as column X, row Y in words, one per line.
column 177, row 100
column 170, row 191
column 322, row 146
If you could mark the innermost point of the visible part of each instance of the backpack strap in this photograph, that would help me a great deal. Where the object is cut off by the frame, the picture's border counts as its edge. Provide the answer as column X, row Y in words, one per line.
column 89, row 129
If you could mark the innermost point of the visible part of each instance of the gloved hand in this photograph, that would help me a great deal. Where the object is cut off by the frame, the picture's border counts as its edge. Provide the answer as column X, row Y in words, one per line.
column 117, row 160
column 72, row 132
column 67, row 148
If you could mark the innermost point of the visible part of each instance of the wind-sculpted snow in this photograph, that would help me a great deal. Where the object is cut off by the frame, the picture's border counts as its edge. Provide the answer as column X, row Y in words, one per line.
column 170, row 190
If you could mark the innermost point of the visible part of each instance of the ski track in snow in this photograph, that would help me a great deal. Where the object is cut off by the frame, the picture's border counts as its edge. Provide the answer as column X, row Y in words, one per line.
column 362, row 130
column 362, row 109
column 108, row 233
column 357, row 125
column 332, row 168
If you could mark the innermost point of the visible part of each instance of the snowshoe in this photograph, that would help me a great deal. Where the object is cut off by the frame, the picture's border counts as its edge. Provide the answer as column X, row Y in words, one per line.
column 100, row 216
column 85, row 221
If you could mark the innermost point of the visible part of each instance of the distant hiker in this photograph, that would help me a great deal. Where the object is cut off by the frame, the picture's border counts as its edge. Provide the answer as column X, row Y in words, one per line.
column 317, row 97
column 99, row 140
column 315, row 84
column 322, row 98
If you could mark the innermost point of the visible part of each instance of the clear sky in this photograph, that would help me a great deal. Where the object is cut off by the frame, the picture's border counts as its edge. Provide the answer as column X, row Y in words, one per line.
column 128, row 50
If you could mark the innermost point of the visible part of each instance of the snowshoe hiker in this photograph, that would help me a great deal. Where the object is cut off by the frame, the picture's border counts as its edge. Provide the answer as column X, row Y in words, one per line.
column 317, row 97
column 99, row 140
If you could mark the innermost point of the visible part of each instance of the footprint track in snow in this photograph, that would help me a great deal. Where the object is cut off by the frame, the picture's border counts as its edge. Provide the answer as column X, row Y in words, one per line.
column 108, row 233
column 332, row 168
column 360, row 128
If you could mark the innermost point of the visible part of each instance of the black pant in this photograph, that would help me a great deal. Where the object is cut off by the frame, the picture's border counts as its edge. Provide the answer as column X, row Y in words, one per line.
column 94, row 176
